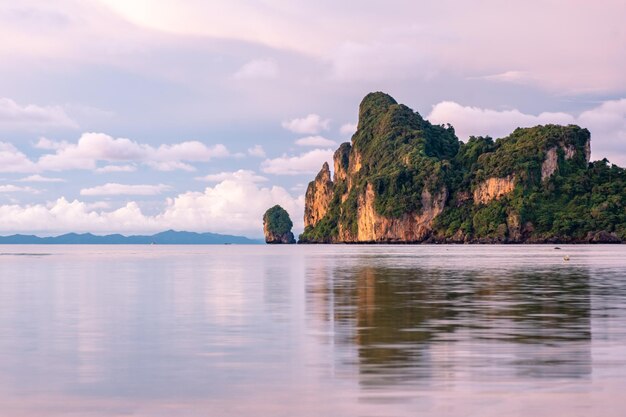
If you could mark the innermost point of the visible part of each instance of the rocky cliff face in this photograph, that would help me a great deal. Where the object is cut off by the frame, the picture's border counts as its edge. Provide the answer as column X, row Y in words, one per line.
column 410, row 227
column 402, row 179
column 359, row 205
column 318, row 197
column 272, row 237
column 569, row 151
column 493, row 189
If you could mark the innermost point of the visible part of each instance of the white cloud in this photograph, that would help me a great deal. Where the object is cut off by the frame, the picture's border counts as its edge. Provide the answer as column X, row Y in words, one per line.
column 39, row 178
column 468, row 121
column 32, row 117
column 240, row 175
column 188, row 151
column 168, row 166
column 116, row 168
column 315, row 141
column 257, row 151
column 125, row 189
column 94, row 147
column 98, row 205
column 232, row 206
column 61, row 216
column 12, row 160
column 257, row 69
column 9, row 188
column 310, row 124
column 50, row 145
column 348, row 129
column 606, row 122
column 306, row 163
column 229, row 206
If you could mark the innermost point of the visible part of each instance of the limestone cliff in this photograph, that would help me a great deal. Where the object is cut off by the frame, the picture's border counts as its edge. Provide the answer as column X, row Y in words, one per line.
column 493, row 189
column 402, row 179
column 360, row 205
column 318, row 196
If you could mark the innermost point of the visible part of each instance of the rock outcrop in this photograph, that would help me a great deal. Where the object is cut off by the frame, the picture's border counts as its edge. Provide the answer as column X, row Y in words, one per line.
column 358, row 205
column 551, row 161
column 277, row 226
column 318, row 196
column 493, row 189
column 403, row 180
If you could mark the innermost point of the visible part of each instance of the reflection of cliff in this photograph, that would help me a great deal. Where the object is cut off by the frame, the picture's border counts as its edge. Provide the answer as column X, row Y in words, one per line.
column 410, row 324
column 393, row 309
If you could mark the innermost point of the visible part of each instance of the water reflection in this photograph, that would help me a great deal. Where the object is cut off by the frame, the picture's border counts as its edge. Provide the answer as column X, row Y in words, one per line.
column 412, row 325
column 310, row 331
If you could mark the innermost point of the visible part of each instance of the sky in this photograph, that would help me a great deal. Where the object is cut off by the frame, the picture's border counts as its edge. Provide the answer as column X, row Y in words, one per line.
column 138, row 116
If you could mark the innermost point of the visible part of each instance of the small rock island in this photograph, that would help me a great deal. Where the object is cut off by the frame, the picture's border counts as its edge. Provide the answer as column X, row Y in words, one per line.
column 277, row 226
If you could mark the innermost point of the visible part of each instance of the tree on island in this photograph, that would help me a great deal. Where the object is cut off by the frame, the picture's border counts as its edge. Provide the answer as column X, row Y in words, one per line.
column 277, row 226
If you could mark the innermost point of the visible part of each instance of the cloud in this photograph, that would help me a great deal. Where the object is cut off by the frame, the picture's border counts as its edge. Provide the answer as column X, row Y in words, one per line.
column 348, row 129
column 98, row 205
column 168, row 166
column 50, row 145
column 508, row 76
column 257, row 151
column 12, row 160
column 315, row 141
column 39, row 178
column 606, row 122
column 94, row 147
column 310, row 124
column 306, row 163
column 468, row 121
column 116, row 168
column 61, row 216
column 376, row 60
column 257, row 69
column 125, row 189
column 9, row 188
column 32, row 117
column 231, row 206
column 240, row 175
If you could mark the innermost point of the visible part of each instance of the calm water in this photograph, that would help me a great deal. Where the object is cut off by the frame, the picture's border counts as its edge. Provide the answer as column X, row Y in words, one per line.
column 312, row 331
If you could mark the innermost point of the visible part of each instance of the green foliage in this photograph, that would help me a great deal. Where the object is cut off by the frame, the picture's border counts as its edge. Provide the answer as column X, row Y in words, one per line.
column 348, row 215
column 401, row 152
column 588, row 200
column 523, row 152
column 401, row 155
column 487, row 220
column 277, row 220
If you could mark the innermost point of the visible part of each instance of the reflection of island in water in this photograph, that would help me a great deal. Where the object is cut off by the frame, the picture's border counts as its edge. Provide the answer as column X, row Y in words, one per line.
column 410, row 324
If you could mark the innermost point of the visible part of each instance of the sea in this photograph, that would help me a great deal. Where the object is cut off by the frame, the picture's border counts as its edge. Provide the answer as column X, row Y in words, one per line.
column 321, row 330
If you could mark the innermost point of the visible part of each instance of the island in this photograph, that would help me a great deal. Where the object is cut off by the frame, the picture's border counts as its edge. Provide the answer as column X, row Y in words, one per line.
column 402, row 179
column 277, row 226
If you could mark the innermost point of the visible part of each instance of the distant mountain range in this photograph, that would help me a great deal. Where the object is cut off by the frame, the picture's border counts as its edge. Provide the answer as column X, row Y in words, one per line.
column 170, row 237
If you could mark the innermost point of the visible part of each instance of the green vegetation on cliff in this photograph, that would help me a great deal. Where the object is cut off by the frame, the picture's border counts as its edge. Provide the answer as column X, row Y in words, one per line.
column 535, row 185
column 277, row 226
column 401, row 153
